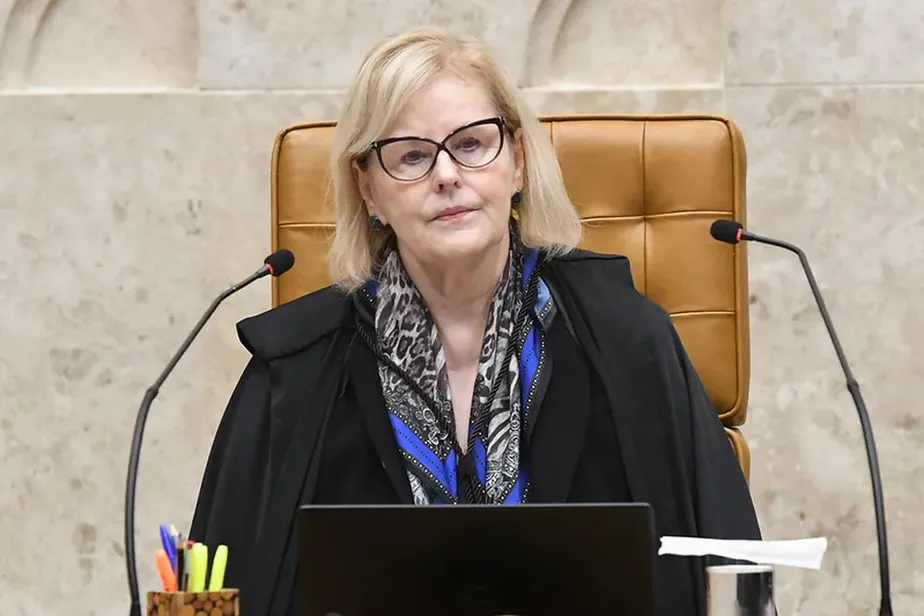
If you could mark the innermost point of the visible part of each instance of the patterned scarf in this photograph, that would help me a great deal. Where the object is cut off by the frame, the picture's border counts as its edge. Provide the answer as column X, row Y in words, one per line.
column 509, row 385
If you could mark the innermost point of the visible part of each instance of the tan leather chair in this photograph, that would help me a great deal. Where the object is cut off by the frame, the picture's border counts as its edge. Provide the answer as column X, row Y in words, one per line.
column 647, row 187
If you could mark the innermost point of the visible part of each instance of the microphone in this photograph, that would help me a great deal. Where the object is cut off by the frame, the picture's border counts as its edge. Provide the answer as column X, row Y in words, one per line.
column 731, row 232
column 275, row 264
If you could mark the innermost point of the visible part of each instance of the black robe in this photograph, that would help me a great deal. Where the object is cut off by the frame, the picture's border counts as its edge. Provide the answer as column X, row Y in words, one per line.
column 625, row 418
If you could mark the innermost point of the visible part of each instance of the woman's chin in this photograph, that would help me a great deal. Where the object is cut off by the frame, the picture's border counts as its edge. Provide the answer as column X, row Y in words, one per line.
column 463, row 244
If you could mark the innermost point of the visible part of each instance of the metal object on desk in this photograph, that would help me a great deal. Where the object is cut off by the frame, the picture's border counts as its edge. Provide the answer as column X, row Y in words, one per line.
column 741, row 590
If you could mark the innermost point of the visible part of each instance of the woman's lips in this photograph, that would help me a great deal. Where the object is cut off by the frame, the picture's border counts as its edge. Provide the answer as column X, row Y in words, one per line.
column 453, row 213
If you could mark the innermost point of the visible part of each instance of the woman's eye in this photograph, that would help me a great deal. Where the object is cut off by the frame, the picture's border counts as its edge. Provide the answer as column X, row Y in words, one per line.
column 468, row 144
column 412, row 157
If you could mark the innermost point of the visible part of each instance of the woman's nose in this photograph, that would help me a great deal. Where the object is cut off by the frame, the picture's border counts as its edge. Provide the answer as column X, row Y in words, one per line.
column 445, row 170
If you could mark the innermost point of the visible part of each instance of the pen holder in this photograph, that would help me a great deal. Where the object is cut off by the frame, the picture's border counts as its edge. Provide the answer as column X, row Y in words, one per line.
column 216, row 603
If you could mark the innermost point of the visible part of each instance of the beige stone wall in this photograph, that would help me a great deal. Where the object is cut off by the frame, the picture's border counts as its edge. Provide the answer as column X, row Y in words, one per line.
column 135, row 138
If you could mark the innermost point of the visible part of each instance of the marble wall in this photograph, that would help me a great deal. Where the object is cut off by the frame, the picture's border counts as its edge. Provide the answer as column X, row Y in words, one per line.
column 135, row 151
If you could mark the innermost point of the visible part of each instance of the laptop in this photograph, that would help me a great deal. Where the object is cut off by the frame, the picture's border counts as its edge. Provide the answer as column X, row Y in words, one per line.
column 476, row 560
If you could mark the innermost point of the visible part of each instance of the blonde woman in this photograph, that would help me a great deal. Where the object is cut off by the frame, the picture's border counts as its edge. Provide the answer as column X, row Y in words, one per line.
column 468, row 353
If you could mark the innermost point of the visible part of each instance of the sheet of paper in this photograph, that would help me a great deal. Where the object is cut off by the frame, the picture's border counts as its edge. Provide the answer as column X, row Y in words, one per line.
column 804, row 553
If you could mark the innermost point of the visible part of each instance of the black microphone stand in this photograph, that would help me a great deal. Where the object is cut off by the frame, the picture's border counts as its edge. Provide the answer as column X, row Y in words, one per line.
column 134, row 456
column 885, row 606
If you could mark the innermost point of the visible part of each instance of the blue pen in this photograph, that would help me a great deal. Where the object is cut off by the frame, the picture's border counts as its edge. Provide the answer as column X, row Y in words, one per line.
column 169, row 545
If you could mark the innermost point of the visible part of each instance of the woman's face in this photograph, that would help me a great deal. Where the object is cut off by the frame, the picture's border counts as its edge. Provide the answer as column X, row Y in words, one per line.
column 439, row 209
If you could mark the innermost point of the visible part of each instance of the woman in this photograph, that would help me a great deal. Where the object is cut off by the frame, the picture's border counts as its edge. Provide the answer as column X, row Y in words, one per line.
column 466, row 337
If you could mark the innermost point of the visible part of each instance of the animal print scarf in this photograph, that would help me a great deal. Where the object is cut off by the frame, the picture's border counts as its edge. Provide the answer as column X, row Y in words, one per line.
column 509, row 384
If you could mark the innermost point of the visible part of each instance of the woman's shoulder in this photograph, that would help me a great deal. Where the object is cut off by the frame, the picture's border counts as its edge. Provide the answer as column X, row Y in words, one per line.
column 602, row 285
column 592, row 265
column 587, row 271
column 296, row 325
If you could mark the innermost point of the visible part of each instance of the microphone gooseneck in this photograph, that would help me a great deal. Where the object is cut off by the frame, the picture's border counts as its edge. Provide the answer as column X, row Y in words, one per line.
column 732, row 232
column 275, row 264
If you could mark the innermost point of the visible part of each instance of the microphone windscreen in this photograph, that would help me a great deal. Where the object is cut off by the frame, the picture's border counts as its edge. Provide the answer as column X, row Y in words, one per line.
column 280, row 262
column 725, row 230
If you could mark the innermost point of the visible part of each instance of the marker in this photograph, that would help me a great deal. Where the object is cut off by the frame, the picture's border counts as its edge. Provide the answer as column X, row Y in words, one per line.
column 187, row 564
column 199, row 562
column 167, row 577
column 169, row 545
column 217, row 575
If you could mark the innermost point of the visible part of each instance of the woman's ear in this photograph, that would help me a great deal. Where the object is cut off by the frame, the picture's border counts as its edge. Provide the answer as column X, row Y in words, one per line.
column 364, row 185
column 519, row 159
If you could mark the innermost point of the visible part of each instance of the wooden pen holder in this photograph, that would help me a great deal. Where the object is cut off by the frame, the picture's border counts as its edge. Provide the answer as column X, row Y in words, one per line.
column 216, row 603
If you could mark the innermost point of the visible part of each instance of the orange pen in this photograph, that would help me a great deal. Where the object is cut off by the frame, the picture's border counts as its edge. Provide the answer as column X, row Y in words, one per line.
column 167, row 576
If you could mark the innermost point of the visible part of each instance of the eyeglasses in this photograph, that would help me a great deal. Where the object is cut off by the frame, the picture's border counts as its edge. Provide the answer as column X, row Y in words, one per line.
column 472, row 146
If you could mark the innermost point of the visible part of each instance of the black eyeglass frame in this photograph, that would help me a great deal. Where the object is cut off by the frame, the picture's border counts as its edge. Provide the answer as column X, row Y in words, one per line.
column 499, row 121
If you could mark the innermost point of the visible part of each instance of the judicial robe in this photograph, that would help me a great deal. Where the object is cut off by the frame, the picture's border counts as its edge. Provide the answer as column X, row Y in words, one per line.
column 625, row 418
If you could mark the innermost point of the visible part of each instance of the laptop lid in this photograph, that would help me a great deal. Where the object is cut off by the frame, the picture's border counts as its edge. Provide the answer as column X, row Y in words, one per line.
column 477, row 560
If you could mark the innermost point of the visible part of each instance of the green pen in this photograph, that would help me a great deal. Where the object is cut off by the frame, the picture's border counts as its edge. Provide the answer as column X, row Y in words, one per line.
column 217, row 575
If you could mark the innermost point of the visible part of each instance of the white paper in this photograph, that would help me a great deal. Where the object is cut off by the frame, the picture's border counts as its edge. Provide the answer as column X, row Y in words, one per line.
column 804, row 553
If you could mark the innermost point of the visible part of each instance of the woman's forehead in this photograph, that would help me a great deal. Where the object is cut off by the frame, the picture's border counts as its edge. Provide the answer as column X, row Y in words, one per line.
column 442, row 106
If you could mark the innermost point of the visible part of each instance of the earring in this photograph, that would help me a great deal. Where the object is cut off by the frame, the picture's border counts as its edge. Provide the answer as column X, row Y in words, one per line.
column 376, row 223
column 516, row 198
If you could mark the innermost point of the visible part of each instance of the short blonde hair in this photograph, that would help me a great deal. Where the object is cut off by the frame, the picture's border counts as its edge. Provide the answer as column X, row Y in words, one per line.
column 391, row 73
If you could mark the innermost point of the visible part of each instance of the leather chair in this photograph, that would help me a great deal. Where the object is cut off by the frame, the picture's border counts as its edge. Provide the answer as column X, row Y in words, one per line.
column 647, row 187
